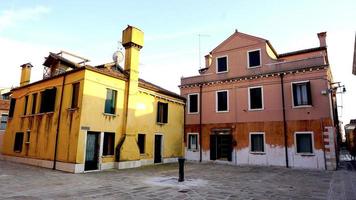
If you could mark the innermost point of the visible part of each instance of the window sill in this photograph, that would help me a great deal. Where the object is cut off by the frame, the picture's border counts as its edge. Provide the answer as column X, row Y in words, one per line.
column 73, row 109
column 37, row 114
column 254, row 67
column 306, row 154
column 110, row 115
column 222, row 72
column 27, row 143
column 107, row 156
column 223, row 111
column 303, row 106
column 257, row 109
column 193, row 113
column 257, row 153
column 161, row 123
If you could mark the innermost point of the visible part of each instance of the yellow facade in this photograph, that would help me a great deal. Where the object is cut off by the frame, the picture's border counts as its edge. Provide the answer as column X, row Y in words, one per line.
column 65, row 146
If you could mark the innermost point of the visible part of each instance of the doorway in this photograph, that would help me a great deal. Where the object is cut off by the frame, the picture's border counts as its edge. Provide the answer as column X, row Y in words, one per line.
column 158, row 149
column 92, row 151
column 221, row 145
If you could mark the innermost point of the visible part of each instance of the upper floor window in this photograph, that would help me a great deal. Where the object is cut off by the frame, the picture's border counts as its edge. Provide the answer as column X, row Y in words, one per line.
column 301, row 94
column 162, row 112
column 25, row 106
column 222, row 101
column 193, row 103
column 110, row 102
column 12, row 107
column 34, row 103
column 3, row 121
column 254, row 58
column 75, row 94
column 255, row 98
column 221, row 64
column 304, row 142
column 48, row 99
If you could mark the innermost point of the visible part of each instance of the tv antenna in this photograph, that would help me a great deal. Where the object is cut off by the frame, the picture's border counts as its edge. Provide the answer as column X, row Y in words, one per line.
column 118, row 56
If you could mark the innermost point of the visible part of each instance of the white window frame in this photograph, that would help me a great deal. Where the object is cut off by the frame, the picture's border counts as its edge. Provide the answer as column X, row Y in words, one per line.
column 264, row 143
column 295, row 142
column 291, row 89
column 216, row 101
column 198, row 104
column 248, row 59
column 7, row 114
column 249, row 99
column 194, row 150
column 227, row 64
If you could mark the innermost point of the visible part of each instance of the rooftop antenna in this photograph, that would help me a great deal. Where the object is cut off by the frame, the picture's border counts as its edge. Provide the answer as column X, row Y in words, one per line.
column 118, row 56
column 199, row 50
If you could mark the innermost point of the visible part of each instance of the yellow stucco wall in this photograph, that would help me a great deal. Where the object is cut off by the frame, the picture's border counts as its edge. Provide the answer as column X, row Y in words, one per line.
column 43, row 126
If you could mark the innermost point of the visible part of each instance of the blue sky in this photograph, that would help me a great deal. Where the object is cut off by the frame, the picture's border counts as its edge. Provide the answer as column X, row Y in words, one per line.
column 30, row 29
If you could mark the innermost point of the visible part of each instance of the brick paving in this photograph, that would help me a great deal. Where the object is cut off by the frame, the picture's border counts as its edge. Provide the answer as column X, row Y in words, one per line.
column 204, row 181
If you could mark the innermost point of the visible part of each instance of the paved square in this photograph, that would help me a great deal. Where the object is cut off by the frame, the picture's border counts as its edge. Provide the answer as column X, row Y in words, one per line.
column 204, row 181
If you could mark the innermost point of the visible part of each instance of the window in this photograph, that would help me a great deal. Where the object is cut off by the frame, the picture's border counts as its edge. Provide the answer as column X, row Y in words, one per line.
column 162, row 112
column 254, row 58
column 34, row 103
column 222, row 101
column 301, row 94
column 75, row 94
column 48, row 99
column 257, row 142
column 141, row 143
column 304, row 142
column 192, row 141
column 255, row 98
column 3, row 121
column 221, row 64
column 18, row 142
column 193, row 104
column 12, row 107
column 25, row 106
column 28, row 137
column 110, row 102
column 109, row 142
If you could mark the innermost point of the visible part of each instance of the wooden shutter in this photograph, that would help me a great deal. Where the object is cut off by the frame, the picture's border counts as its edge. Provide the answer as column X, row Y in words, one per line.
column 165, row 113
column 309, row 93
column 12, row 107
column 295, row 98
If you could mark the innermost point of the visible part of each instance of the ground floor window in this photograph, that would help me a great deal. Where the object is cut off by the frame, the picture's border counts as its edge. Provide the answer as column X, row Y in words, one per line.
column 109, row 143
column 257, row 142
column 18, row 142
column 304, row 142
column 193, row 142
column 141, row 142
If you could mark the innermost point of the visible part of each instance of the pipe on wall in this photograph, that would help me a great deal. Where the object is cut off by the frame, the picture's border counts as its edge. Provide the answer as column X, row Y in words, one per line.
column 284, row 122
column 200, row 123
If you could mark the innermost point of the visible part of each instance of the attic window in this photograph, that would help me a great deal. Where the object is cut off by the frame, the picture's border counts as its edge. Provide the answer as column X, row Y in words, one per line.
column 221, row 64
column 254, row 58
column 48, row 99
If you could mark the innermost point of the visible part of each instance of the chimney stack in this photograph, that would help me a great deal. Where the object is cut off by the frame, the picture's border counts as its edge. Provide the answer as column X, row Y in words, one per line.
column 25, row 74
column 322, row 39
column 207, row 60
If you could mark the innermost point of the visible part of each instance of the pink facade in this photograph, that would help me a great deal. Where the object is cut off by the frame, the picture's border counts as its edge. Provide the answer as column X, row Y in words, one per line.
column 282, row 128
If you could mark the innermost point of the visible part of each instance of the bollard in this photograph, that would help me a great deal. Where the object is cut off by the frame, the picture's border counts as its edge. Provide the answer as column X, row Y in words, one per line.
column 181, row 169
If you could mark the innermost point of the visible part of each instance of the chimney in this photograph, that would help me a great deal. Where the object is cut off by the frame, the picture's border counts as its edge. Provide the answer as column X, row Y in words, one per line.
column 25, row 74
column 322, row 39
column 207, row 60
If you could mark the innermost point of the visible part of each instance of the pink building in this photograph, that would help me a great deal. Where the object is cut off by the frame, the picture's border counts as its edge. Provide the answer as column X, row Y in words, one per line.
column 253, row 106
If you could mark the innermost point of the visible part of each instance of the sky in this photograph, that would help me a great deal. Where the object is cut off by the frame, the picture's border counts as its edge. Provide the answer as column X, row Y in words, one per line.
column 29, row 30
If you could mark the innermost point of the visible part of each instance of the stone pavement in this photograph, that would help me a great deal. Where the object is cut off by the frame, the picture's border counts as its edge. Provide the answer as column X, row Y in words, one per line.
column 204, row 181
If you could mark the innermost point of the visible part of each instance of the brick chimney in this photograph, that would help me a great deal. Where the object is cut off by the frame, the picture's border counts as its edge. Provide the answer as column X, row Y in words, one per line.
column 322, row 39
column 207, row 60
column 25, row 74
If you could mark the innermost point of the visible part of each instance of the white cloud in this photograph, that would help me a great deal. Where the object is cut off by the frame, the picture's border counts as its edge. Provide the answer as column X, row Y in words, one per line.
column 10, row 18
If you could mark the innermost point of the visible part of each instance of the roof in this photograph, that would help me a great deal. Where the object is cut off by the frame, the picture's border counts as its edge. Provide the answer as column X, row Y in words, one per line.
column 110, row 69
column 301, row 51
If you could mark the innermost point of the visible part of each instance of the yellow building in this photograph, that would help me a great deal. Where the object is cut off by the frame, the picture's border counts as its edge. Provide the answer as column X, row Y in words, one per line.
column 81, row 118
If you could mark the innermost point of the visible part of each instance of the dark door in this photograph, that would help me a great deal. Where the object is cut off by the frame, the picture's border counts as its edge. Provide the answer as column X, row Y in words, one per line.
column 158, row 149
column 221, row 147
column 92, row 151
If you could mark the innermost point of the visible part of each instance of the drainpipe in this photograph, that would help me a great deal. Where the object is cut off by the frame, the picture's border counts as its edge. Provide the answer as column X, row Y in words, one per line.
column 200, row 122
column 58, row 123
column 284, row 123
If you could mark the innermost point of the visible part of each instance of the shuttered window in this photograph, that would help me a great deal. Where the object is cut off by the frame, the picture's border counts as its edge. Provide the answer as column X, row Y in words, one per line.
column 162, row 113
column 25, row 105
column 302, row 94
column 110, row 102
column 34, row 103
column 75, row 94
column 48, row 100
column 12, row 107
